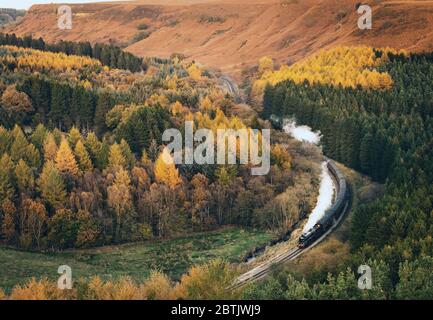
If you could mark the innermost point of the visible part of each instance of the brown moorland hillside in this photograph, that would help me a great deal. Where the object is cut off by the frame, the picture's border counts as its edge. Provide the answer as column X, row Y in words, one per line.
column 232, row 35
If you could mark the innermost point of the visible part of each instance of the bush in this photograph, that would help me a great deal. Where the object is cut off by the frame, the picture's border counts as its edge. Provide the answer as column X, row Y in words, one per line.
column 142, row 26
column 141, row 36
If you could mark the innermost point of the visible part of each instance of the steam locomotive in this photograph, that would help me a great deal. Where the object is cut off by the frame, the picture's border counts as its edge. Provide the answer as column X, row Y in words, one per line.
column 332, row 214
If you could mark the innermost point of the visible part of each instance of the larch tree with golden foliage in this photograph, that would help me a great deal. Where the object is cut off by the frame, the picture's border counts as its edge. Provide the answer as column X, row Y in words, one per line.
column 51, row 185
column 120, row 200
column 24, row 177
column 74, row 136
column 116, row 159
column 84, row 161
column 50, row 148
column 165, row 170
column 65, row 160
column 6, row 187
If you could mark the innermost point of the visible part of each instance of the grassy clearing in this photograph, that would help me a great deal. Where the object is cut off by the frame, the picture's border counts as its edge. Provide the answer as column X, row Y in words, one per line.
column 173, row 257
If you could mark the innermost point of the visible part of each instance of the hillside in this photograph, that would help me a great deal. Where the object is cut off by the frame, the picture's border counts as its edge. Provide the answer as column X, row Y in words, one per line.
column 10, row 15
column 232, row 35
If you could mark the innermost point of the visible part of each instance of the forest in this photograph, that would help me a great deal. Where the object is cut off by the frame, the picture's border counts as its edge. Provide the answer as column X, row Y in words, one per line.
column 81, row 155
column 108, row 55
column 387, row 134
column 81, row 164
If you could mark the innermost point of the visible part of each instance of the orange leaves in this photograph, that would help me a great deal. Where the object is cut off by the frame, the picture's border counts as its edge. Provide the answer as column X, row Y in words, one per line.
column 207, row 281
column 36, row 290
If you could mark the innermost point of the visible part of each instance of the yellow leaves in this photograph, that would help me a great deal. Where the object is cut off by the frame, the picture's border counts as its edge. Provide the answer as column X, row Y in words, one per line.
column 116, row 159
column 158, row 287
column 345, row 66
column 266, row 64
column 206, row 105
column 220, row 121
column 119, row 195
column 122, row 290
column 194, row 72
column 65, row 160
column 50, row 147
column 178, row 109
column 36, row 60
column 83, row 157
column 165, row 170
column 36, row 290
column 281, row 157
column 208, row 281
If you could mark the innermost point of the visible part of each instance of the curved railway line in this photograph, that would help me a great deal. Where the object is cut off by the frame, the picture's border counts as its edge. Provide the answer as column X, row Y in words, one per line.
column 341, row 205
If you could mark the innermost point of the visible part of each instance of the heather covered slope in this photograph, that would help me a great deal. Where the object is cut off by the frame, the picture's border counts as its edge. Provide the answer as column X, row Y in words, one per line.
column 231, row 35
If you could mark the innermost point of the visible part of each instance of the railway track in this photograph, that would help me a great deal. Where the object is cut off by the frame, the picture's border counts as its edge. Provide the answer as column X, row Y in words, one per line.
column 263, row 269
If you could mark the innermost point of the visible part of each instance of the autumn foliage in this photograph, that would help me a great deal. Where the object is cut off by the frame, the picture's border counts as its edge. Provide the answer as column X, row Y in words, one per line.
column 348, row 67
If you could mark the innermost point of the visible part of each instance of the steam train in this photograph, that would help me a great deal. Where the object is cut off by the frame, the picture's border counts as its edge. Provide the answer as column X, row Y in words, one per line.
column 332, row 214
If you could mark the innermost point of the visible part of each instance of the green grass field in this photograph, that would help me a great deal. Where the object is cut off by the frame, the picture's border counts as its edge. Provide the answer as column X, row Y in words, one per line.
column 172, row 257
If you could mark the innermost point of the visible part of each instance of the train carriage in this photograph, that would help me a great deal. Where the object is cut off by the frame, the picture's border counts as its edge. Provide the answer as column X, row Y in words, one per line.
column 332, row 214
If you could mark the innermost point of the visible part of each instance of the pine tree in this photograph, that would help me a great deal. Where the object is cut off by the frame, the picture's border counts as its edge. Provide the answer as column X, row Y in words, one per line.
column 365, row 154
column 84, row 161
column 74, row 136
column 102, row 107
column 116, row 158
column 6, row 187
column 127, row 153
column 65, row 160
column 5, row 140
column 50, row 147
column 38, row 136
column 51, row 185
column 32, row 156
column 19, row 144
column 24, row 178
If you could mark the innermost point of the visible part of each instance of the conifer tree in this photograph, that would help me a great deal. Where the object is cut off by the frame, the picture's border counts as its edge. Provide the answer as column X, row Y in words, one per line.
column 50, row 148
column 74, row 136
column 65, row 160
column 102, row 107
column 116, row 158
column 84, row 161
column 32, row 156
column 24, row 178
column 19, row 144
column 127, row 153
column 38, row 136
column 6, row 187
column 5, row 140
column 51, row 185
